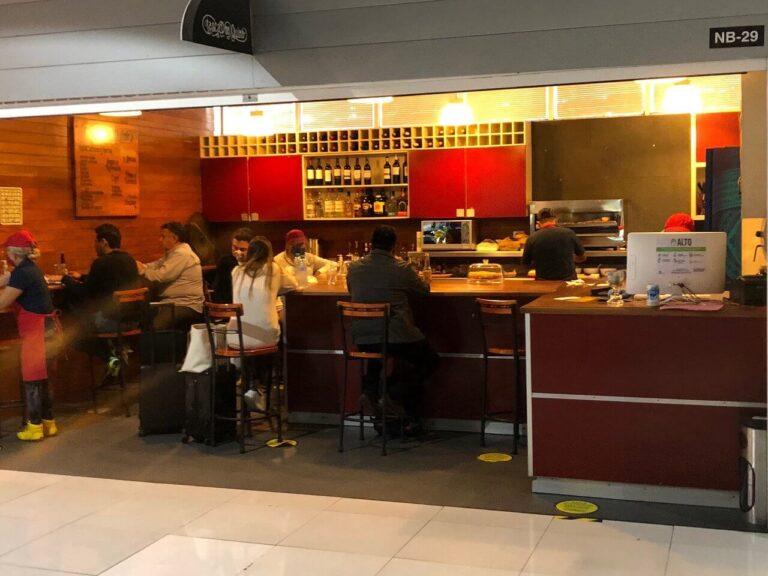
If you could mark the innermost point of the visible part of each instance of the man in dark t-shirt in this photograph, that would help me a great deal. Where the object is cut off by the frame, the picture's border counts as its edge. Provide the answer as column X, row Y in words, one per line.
column 222, row 284
column 552, row 250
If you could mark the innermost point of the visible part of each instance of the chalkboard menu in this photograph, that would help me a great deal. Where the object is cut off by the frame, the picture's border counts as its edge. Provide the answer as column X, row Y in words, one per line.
column 106, row 169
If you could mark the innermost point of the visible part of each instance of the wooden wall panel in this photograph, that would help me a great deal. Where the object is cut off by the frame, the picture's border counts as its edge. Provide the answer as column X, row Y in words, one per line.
column 36, row 155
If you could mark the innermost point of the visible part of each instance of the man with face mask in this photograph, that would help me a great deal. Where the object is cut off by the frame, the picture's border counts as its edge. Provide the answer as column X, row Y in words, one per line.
column 296, row 247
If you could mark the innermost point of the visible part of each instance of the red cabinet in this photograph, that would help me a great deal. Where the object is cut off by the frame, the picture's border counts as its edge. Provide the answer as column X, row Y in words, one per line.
column 224, row 186
column 496, row 181
column 716, row 130
column 488, row 181
column 276, row 188
column 436, row 183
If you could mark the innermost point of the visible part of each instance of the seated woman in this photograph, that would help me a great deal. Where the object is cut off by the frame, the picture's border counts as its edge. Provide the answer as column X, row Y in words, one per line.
column 256, row 284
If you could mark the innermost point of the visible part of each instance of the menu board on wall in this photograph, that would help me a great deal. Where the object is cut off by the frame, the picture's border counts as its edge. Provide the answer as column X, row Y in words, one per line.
column 106, row 169
column 11, row 207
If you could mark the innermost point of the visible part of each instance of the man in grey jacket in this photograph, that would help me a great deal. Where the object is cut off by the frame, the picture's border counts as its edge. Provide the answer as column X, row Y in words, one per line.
column 179, row 279
column 379, row 278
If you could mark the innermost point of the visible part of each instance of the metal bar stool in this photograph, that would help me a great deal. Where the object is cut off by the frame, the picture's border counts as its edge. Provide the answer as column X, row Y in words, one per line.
column 350, row 312
column 269, row 358
column 131, row 314
column 499, row 321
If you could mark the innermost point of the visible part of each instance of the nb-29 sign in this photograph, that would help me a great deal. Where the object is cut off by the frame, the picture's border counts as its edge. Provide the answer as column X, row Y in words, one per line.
column 737, row 37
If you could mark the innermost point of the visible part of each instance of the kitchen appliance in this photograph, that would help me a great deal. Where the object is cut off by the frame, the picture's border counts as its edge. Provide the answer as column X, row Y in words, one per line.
column 752, row 464
column 448, row 235
column 599, row 224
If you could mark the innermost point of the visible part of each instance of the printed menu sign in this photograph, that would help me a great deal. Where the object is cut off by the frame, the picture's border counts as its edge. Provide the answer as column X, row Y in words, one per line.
column 11, row 207
column 106, row 169
column 680, row 256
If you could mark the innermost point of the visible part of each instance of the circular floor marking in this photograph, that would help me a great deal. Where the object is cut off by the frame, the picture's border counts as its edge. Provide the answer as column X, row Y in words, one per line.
column 494, row 457
column 275, row 443
column 576, row 507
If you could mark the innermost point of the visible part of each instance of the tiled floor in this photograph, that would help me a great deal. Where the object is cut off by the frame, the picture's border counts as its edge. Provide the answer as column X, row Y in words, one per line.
column 63, row 525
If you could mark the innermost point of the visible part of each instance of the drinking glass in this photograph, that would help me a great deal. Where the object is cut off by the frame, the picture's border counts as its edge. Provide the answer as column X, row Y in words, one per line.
column 616, row 281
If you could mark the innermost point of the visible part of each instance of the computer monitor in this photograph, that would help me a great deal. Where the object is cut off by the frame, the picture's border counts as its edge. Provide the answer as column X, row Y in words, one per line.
column 695, row 259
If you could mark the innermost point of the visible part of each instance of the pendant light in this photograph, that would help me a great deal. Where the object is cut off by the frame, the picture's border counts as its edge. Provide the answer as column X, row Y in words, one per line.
column 457, row 112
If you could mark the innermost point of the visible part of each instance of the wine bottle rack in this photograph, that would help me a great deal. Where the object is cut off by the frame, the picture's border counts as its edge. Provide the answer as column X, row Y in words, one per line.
column 365, row 141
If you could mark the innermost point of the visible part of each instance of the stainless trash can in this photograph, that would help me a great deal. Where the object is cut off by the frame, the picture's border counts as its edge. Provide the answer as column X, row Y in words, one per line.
column 753, row 495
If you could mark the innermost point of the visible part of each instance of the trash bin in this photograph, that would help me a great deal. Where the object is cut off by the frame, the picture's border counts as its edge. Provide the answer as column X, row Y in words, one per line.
column 753, row 492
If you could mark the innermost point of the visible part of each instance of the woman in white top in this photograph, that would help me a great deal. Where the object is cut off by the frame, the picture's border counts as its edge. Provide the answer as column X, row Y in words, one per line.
column 256, row 284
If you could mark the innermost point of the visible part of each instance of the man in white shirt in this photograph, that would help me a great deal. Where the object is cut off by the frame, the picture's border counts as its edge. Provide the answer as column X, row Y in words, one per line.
column 296, row 247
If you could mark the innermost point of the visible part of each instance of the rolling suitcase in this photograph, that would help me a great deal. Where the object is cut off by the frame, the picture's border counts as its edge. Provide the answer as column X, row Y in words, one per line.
column 197, row 418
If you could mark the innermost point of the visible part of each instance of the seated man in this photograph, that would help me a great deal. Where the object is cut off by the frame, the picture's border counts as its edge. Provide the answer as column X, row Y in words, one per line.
column 179, row 279
column 222, row 285
column 295, row 247
column 381, row 278
column 111, row 271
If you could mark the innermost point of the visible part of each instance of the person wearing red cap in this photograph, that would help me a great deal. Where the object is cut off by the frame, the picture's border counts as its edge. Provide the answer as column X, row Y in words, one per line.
column 26, row 290
column 679, row 222
column 295, row 248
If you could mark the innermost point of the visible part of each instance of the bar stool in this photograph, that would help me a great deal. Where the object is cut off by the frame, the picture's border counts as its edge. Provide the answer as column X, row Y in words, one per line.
column 501, row 340
column 350, row 312
column 131, row 314
column 266, row 357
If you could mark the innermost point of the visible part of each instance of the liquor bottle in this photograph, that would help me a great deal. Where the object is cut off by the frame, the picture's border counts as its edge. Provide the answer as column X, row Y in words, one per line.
column 338, row 204
column 404, row 170
column 387, row 171
column 310, row 173
column 402, row 204
column 357, row 205
column 347, row 173
column 357, row 173
column 390, row 207
column 407, row 132
column 328, row 176
column 367, row 173
column 337, row 173
column 318, row 206
column 379, row 204
column 366, row 205
column 311, row 206
column 328, row 208
column 396, row 171
column 349, row 206
column 63, row 270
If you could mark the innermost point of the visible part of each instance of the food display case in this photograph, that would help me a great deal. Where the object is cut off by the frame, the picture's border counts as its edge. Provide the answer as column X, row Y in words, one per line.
column 485, row 273
column 599, row 224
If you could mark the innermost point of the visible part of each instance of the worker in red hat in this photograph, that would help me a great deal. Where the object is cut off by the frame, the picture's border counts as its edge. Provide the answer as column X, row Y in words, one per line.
column 26, row 291
column 295, row 254
column 679, row 222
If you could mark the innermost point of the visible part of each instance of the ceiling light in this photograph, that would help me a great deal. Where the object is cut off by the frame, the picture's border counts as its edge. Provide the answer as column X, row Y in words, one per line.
column 457, row 112
column 124, row 114
column 100, row 134
column 681, row 99
column 371, row 100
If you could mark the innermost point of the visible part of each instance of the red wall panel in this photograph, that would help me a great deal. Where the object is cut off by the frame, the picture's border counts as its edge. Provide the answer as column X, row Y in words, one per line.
column 224, row 188
column 436, row 183
column 716, row 131
column 276, row 187
column 496, row 181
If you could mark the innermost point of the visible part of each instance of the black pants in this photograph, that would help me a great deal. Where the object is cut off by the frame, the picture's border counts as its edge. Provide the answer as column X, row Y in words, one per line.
column 38, row 403
column 180, row 318
column 415, row 362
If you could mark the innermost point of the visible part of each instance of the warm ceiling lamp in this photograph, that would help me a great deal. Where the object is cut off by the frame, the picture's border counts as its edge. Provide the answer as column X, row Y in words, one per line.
column 457, row 112
column 100, row 134
column 371, row 100
column 682, row 98
column 123, row 114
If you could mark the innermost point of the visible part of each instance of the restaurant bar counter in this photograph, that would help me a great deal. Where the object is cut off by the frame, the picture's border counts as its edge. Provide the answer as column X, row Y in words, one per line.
column 448, row 318
column 641, row 403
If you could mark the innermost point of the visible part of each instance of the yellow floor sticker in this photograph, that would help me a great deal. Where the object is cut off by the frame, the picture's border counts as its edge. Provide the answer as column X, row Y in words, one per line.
column 494, row 457
column 275, row 443
column 576, row 507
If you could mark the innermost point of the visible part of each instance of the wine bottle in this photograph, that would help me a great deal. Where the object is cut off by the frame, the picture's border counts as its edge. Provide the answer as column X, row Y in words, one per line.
column 328, row 207
column 349, row 206
column 328, row 176
column 337, row 173
column 402, row 205
column 338, row 204
column 379, row 204
column 310, row 173
column 357, row 174
column 367, row 205
column 357, row 205
column 387, row 171
column 396, row 171
column 311, row 205
column 391, row 206
column 367, row 172
column 404, row 170
column 318, row 206
column 347, row 173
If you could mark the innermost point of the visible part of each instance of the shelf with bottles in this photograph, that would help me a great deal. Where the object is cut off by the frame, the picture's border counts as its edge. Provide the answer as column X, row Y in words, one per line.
column 355, row 171
column 366, row 140
column 365, row 203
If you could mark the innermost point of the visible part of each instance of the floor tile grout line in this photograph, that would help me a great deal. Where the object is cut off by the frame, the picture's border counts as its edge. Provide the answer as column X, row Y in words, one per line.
column 45, row 569
column 535, row 546
column 419, row 531
column 669, row 551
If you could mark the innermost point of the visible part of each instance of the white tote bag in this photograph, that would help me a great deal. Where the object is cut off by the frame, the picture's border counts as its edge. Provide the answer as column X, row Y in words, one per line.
column 198, row 358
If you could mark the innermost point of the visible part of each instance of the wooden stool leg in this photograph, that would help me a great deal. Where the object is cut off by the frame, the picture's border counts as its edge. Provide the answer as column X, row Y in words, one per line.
column 123, row 365
column 279, row 399
column 343, row 405
column 245, row 378
column 384, row 406
column 484, row 401
column 361, row 428
column 212, row 424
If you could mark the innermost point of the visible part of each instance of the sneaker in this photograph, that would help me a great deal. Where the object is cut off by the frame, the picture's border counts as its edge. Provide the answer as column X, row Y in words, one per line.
column 31, row 433
column 50, row 428
column 113, row 366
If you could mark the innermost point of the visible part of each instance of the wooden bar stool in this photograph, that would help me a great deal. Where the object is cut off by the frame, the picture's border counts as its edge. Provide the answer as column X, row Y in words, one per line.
column 501, row 340
column 267, row 357
column 131, row 315
column 350, row 312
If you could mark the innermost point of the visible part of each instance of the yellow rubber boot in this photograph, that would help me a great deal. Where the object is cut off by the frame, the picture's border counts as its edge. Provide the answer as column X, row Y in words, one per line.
column 50, row 428
column 31, row 433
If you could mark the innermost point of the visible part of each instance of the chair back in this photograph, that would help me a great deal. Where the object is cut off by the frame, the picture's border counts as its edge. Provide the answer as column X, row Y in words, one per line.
column 499, row 322
column 215, row 315
column 355, row 313
column 131, row 308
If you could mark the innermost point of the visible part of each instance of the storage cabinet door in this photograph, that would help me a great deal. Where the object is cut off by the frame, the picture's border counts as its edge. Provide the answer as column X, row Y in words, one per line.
column 276, row 188
column 224, row 187
column 496, row 181
column 436, row 183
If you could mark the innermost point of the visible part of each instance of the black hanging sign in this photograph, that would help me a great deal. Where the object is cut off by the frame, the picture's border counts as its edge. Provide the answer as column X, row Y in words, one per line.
column 737, row 37
column 220, row 23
